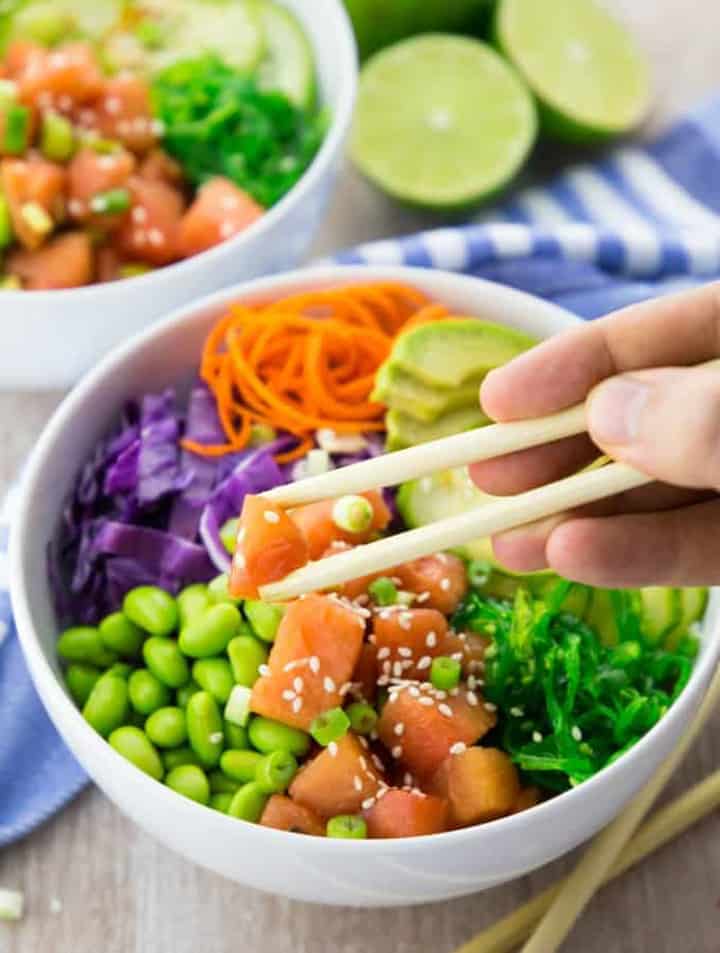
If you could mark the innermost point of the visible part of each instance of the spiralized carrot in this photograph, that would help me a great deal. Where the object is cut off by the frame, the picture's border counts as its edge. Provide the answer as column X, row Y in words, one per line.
column 306, row 361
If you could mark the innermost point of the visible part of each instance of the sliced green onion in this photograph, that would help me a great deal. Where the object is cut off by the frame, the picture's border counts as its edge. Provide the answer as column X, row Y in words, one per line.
column 228, row 534
column 329, row 726
column 445, row 673
column 275, row 772
column 237, row 709
column 57, row 139
column 315, row 462
column 405, row 598
column 347, row 826
column 11, row 904
column 353, row 513
column 6, row 230
column 102, row 146
column 37, row 218
column 479, row 571
column 111, row 202
column 17, row 129
column 363, row 717
column 383, row 591
column 261, row 434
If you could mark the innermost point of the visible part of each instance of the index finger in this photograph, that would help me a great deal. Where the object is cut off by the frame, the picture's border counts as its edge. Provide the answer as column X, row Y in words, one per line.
column 681, row 329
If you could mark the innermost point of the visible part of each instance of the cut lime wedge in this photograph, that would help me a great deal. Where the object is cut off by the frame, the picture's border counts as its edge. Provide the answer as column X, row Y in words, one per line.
column 288, row 62
column 585, row 69
column 441, row 121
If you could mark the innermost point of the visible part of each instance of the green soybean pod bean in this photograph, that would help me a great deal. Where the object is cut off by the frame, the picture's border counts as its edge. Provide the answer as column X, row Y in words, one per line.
column 208, row 634
column 220, row 801
column 147, row 693
column 82, row 643
column 235, row 736
column 121, row 669
column 215, row 676
column 248, row 802
column 191, row 782
column 165, row 660
column 276, row 771
column 152, row 609
column 107, row 705
column 219, row 591
column 264, row 618
column 121, row 635
column 240, row 765
column 80, row 679
column 221, row 784
column 246, row 654
column 267, row 735
column 166, row 727
column 174, row 757
column 192, row 601
column 205, row 728
column 137, row 748
column 185, row 693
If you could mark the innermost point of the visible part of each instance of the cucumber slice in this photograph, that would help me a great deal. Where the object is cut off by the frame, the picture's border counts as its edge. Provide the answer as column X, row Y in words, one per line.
column 288, row 64
column 693, row 602
column 53, row 21
column 662, row 610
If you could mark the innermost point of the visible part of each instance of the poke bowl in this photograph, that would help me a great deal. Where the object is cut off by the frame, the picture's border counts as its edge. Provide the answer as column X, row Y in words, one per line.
column 428, row 777
column 151, row 153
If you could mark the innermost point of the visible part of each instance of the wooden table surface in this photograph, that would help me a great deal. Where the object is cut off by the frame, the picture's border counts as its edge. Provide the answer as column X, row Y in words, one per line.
column 121, row 892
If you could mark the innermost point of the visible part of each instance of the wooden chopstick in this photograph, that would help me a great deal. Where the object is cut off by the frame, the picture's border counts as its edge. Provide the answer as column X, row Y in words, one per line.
column 426, row 458
column 494, row 517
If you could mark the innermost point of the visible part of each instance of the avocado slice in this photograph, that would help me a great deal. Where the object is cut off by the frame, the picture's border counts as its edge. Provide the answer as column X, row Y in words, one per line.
column 406, row 431
column 456, row 350
column 404, row 392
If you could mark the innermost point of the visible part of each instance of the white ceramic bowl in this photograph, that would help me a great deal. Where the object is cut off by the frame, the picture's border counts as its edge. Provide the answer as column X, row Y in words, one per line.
column 77, row 327
column 369, row 873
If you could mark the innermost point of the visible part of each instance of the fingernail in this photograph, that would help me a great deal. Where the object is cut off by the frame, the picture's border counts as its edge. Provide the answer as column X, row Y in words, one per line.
column 616, row 409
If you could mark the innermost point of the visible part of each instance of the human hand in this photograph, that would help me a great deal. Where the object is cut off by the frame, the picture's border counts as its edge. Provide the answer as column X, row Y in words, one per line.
column 664, row 421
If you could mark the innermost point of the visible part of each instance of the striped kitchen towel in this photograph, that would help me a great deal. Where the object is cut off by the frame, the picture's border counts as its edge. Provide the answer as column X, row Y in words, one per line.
column 640, row 222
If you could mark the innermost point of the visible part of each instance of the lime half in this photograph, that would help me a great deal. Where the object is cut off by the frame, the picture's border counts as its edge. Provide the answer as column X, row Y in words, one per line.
column 589, row 76
column 441, row 121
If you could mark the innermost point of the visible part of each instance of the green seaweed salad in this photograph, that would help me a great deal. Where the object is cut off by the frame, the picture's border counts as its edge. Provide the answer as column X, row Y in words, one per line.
column 570, row 703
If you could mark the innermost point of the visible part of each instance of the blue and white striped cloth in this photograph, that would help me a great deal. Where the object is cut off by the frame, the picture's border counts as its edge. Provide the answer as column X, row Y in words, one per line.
column 638, row 223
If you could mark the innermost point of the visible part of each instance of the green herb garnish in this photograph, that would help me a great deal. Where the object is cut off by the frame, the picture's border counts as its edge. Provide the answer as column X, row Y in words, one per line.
column 219, row 122
column 570, row 705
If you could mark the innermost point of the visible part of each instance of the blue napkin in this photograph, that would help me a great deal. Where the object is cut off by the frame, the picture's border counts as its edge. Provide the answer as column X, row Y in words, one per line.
column 638, row 223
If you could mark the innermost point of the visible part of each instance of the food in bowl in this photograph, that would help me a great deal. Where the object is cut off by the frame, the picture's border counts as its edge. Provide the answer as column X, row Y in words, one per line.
column 444, row 694
column 140, row 134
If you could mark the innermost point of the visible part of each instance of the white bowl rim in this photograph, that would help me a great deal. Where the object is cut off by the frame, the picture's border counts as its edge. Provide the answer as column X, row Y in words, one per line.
column 340, row 120
column 548, row 811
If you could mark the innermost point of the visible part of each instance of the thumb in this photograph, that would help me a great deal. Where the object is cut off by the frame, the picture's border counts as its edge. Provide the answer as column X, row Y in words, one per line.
column 666, row 422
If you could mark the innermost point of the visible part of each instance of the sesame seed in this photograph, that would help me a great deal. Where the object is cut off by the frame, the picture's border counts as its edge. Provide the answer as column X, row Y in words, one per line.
column 405, row 652
column 227, row 230
column 458, row 747
column 537, row 737
column 297, row 705
column 405, row 620
column 431, row 640
column 264, row 669
column 472, row 699
column 363, row 741
column 471, row 682
column 216, row 737
column 112, row 105
column 288, row 695
column 397, row 751
column 423, row 596
column 298, row 684
column 457, row 656
column 139, row 215
column 438, row 693
column 408, row 779
column 425, row 662
column 332, row 749
column 398, row 669
column 445, row 710
column 156, row 237
column 377, row 762
column 399, row 729
column 76, row 207
column 363, row 762
column 271, row 516
column 314, row 664
column 516, row 712
column 329, row 684
column 415, row 692
column 490, row 707
column 382, row 791
column 367, row 803
column 387, row 666
column 426, row 700
column 576, row 733
column 383, row 653
column 357, row 783
column 445, row 584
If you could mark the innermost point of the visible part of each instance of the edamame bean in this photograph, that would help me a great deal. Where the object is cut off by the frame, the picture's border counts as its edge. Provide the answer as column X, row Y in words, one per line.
column 191, row 782
column 221, row 784
column 240, row 765
column 80, row 680
column 248, row 802
column 121, row 635
column 152, row 609
column 165, row 660
column 166, row 727
column 219, row 590
column 147, row 693
column 82, row 643
column 264, row 618
column 246, row 654
column 267, row 735
column 205, row 728
column 229, row 532
column 215, row 676
column 220, row 802
column 121, row 669
column 185, row 693
column 208, row 634
column 347, row 826
column 276, row 771
column 177, row 756
column 136, row 747
column 235, row 736
column 107, row 705
column 192, row 601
